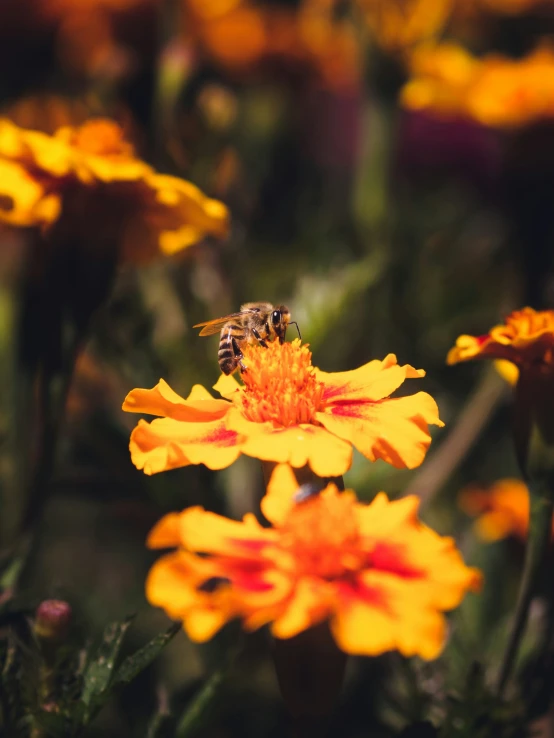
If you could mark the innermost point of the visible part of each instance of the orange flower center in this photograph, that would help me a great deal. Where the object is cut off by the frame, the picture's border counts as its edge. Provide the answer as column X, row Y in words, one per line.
column 280, row 385
column 101, row 137
column 323, row 537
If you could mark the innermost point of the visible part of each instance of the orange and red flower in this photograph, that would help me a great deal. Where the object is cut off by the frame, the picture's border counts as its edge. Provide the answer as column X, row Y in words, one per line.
column 526, row 338
column 88, row 177
column 502, row 509
column 286, row 411
column 381, row 577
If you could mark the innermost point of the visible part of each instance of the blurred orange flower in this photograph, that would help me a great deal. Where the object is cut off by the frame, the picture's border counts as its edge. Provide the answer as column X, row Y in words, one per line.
column 503, row 509
column 287, row 411
column 85, row 177
column 527, row 341
column 398, row 24
column 494, row 91
column 380, row 576
column 243, row 36
column 527, row 337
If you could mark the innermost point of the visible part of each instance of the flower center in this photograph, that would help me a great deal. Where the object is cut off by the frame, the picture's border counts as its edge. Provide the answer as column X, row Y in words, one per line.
column 101, row 137
column 280, row 384
column 323, row 537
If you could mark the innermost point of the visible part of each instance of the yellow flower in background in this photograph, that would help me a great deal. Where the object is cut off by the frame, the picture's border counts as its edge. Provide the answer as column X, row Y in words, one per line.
column 526, row 338
column 381, row 577
column 440, row 77
column 286, row 411
column 88, row 178
column 502, row 509
column 399, row 24
column 494, row 91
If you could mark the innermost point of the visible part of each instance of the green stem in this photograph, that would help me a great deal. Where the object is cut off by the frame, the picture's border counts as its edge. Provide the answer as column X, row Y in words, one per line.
column 540, row 527
column 197, row 713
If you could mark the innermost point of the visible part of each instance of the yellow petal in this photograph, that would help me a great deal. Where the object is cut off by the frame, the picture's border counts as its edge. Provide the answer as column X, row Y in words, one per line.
column 210, row 533
column 173, row 581
column 165, row 534
column 395, row 430
column 166, row 443
column 161, row 400
column 23, row 200
column 299, row 445
column 309, row 604
column 372, row 381
column 280, row 490
column 226, row 385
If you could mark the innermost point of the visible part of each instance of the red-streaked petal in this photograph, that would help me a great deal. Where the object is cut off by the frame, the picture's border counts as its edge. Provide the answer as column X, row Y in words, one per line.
column 371, row 382
column 309, row 604
column 166, row 443
column 381, row 612
column 395, row 430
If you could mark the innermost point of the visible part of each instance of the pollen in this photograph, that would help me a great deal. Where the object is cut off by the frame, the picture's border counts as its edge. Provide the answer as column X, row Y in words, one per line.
column 101, row 137
column 323, row 537
column 280, row 385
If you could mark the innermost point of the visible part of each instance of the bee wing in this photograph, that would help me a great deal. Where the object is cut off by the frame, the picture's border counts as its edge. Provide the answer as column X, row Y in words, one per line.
column 209, row 327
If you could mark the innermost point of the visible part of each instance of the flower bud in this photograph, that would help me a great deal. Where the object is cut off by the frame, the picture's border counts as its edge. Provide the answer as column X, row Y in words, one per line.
column 52, row 620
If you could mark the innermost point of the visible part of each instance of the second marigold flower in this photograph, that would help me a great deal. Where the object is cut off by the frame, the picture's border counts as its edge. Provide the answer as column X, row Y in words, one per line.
column 286, row 411
column 381, row 577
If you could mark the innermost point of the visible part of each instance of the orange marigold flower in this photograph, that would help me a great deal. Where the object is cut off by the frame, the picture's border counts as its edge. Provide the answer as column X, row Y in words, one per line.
column 495, row 91
column 89, row 174
column 502, row 509
column 286, row 411
column 381, row 577
column 526, row 339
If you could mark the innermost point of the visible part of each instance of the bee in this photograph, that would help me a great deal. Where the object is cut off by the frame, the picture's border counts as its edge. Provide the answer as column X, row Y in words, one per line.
column 255, row 321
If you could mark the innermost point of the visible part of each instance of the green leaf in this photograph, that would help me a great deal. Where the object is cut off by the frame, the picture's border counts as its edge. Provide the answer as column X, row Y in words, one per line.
column 100, row 668
column 133, row 665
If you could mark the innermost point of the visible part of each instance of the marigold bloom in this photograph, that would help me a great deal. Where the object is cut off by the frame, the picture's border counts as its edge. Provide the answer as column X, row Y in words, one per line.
column 527, row 337
column 380, row 576
column 89, row 176
column 494, row 91
column 287, row 411
column 527, row 341
column 502, row 509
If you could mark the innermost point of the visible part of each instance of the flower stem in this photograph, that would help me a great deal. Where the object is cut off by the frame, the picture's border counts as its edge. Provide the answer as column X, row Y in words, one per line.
column 309, row 666
column 201, row 709
column 540, row 527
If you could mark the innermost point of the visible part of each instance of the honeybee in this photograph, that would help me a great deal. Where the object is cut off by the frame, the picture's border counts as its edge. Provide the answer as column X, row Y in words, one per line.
column 255, row 321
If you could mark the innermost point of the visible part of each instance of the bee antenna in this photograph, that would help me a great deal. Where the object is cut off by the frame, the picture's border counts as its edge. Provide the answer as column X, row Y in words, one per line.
column 293, row 322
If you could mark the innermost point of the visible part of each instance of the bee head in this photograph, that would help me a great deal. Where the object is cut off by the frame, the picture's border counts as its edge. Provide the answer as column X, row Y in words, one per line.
column 280, row 318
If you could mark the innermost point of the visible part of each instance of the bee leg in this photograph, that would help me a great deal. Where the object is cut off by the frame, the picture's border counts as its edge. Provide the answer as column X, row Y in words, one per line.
column 257, row 336
column 238, row 355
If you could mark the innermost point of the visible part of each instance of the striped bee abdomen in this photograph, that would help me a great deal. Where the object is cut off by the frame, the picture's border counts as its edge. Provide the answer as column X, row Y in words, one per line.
column 229, row 353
